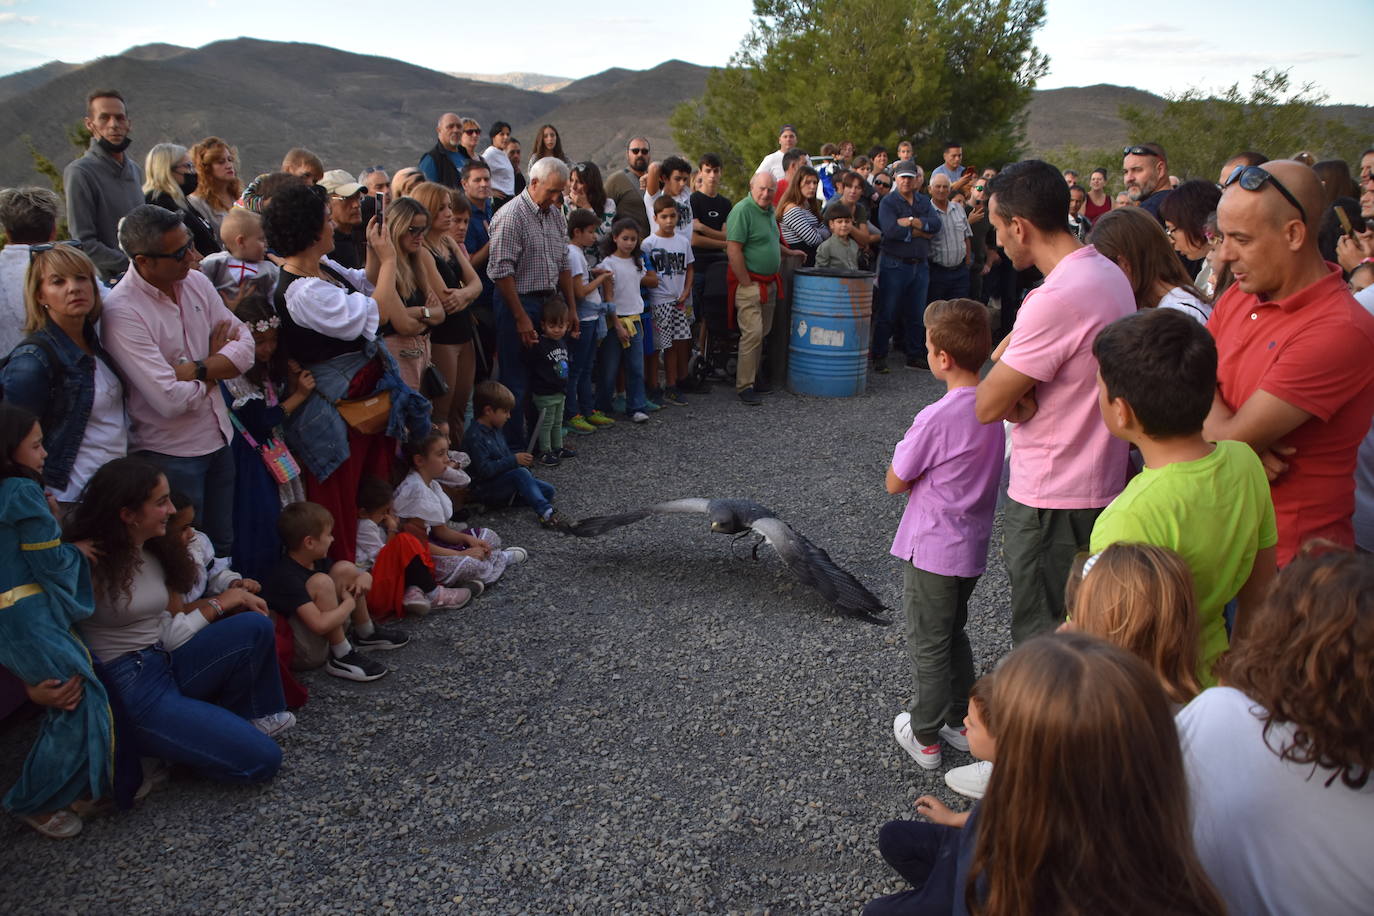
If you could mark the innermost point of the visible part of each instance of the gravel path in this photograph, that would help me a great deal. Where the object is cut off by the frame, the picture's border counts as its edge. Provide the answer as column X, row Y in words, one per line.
column 638, row 723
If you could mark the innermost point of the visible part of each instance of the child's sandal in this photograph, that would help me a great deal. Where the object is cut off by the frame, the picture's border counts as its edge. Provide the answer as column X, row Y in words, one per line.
column 59, row 825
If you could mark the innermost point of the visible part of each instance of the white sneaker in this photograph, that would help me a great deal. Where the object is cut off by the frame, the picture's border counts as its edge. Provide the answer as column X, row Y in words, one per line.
column 450, row 599
column 640, row 416
column 956, row 737
column 516, row 555
column 926, row 756
column 971, row 780
column 275, row 724
column 415, row 602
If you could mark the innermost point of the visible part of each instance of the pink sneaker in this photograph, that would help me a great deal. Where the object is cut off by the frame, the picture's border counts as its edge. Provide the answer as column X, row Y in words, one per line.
column 446, row 599
column 415, row 602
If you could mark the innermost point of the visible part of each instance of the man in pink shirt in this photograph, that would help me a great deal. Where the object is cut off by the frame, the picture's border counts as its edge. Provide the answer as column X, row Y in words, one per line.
column 174, row 339
column 1065, row 466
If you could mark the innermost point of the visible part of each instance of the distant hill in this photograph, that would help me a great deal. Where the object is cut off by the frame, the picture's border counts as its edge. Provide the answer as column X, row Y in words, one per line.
column 357, row 110
column 535, row 82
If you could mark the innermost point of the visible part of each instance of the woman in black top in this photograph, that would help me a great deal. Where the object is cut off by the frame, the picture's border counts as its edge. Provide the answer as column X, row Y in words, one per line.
column 168, row 176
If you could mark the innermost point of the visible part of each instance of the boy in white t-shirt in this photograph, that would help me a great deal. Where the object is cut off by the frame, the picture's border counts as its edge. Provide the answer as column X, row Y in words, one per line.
column 580, row 413
column 672, row 178
column 672, row 258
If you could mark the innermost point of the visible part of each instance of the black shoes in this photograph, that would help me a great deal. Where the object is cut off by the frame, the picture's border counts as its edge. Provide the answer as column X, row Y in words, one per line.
column 750, row 396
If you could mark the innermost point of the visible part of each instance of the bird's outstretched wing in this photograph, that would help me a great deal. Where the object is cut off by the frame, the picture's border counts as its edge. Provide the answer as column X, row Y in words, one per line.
column 600, row 524
column 813, row 567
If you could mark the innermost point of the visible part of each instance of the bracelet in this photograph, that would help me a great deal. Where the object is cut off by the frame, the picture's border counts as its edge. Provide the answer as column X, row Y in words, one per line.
column 1367, row 261
column 217, row 608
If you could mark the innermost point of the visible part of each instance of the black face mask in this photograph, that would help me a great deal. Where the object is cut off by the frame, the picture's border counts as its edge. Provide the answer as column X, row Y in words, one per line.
column 188, row 183
column 109, row 147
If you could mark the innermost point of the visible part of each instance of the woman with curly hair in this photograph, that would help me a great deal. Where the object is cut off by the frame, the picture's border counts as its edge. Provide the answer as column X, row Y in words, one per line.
column 548, row 143
column 331, row 319
column 201, row 686
column 799, row 214
column 217, row 180
column 1280, row 756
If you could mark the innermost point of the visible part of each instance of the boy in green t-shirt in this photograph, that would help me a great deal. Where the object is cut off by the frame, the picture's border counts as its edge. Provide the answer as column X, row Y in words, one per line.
column 1208, row 502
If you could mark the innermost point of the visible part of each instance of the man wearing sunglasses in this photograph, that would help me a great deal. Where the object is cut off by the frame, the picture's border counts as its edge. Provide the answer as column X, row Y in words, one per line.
column 1145, row 172
column 624, row 186
column 174, row 339
column 1294, row 375
column 445, row 161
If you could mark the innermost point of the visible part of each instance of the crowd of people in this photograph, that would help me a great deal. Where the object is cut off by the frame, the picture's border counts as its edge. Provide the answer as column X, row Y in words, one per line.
column 241, row 424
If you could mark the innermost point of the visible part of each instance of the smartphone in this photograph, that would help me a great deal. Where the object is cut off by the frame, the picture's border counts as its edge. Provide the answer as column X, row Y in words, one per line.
column 970, row 170
column 380, row 198
column 1345, row 221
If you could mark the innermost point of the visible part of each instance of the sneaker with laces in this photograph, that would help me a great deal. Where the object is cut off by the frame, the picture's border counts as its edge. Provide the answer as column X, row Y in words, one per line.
column 564, row 453
column 597, row 418
column 415, row 602
column 381, row 638
column 640, row 416
column 750, row 397
column 652, row 406
column 516, row 555
column 927, row 756
column 355, row 666
column 449, row 599
column 971, row 780
column 476, row 586
column 549, row 460
column 674, row 397
column 580, row 424
column 957, row 738
column 275, row 724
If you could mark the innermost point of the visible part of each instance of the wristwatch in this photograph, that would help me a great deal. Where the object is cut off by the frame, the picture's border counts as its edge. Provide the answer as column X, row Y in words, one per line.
column 424, row 311
column 200, row 370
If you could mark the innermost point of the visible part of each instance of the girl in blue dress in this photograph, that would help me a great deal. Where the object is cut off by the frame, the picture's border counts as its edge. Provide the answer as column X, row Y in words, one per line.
column 45, row 587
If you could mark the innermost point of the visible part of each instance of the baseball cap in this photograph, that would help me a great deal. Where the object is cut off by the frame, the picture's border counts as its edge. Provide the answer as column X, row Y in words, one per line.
column 340, row 183
column 905, row 167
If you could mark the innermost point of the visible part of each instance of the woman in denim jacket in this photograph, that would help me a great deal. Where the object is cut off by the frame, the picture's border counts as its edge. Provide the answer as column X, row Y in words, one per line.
column 61, row 374
column 330, row 319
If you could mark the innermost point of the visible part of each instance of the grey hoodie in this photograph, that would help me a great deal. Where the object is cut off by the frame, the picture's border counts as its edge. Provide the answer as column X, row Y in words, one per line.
column 100, row 191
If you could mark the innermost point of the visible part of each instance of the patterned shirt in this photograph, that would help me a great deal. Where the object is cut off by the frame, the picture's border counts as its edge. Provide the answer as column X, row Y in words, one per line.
column 529, row 244
column 947, row 247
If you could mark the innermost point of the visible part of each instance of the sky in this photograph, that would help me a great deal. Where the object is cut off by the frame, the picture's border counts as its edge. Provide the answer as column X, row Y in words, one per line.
column 1164, row 46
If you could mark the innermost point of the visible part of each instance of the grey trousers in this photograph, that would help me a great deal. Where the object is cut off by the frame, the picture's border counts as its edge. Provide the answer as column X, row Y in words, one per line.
column 936, row 610
column 1039, row 546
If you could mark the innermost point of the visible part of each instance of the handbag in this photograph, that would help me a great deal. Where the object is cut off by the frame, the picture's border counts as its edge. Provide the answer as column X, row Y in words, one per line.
column 367, row 416
column 432, row 383
column 281, row 464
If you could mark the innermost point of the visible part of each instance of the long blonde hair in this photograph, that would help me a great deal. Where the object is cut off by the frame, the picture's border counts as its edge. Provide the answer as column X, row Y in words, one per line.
column 400, row 213
column 64, row 261
column 1140, row 597
column 1087, row 810
column 157, row 172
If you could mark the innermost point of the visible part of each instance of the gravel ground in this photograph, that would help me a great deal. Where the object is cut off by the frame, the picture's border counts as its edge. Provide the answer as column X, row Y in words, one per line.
column 639, row 723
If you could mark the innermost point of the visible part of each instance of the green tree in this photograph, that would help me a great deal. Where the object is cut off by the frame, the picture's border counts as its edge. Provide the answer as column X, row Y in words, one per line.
column 873, row 71
column 1201, row 130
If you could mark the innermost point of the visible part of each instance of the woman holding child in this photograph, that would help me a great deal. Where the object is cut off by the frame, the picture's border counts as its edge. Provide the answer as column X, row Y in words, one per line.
column 330, row 317
column 62, row 374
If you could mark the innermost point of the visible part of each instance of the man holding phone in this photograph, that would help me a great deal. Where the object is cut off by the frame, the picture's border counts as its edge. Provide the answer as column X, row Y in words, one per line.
column 345, row 208
column 960, row 178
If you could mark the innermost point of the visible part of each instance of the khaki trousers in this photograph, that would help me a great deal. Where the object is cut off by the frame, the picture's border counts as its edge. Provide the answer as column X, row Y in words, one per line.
column 755, row 320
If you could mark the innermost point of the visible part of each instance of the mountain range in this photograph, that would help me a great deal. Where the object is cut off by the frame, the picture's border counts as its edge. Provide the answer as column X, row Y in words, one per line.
column 357, row 110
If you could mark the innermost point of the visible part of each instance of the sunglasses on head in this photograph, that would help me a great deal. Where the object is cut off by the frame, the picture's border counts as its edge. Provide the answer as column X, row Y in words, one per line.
column 1252, row 178
column 36, row 250
column 370, row 170
column 178, row 255
column 1139, row 151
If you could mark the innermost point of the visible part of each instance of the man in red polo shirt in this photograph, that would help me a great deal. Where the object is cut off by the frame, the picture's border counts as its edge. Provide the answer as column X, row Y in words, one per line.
column 1295, row 371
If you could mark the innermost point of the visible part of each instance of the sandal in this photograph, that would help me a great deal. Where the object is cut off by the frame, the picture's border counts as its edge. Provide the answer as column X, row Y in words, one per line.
column 59, row 825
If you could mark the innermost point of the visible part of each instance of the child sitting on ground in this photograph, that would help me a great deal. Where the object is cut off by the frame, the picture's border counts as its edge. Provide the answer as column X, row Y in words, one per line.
column 671, row 256
column 402, row 567
column 840, row 251
column 319, row 598
column 497, row 473
column 547, row 362
column 473, row 557
column 242, row 270
column 580, row 409
column 1208, row 502
column 951, row 464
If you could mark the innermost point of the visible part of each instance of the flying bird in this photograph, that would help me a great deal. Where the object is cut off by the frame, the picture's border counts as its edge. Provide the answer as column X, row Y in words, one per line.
column 809, row 563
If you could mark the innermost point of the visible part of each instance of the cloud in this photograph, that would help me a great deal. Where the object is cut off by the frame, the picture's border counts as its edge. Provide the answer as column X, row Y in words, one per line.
column 1170, row 53
column 1138, row 28
column 15, row 17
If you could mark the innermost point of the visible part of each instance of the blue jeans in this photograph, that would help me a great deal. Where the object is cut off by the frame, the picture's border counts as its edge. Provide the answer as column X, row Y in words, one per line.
column 901, row 292
column 512, row 371
column 208, row 482
column 947, row 283
column 582, row 353
column 516, row 482
column 613, row 355
column 192, row 705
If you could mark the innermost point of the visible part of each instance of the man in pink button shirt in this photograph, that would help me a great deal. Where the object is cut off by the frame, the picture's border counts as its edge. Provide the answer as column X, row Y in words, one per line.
column 174, row 339
column 1065, row 466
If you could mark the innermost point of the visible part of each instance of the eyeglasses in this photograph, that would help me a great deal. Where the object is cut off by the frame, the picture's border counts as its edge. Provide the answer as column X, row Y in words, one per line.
column 185, row 168
column 473, row 130
column 1139, row 151
column 417, row 231
column 639, row 149
column 883, row 184
column 1252, row 178
column 178, row 255
column 36, row 250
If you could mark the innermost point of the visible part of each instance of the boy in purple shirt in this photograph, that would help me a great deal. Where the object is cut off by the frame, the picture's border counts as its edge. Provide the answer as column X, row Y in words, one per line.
column 951, row 464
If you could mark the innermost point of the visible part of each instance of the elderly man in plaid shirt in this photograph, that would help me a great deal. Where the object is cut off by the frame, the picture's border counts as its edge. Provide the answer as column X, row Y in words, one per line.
column 528, row 264
column 951, row 249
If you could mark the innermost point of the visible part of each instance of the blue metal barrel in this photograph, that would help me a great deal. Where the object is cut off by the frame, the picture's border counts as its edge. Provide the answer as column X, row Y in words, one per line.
column 832, row 312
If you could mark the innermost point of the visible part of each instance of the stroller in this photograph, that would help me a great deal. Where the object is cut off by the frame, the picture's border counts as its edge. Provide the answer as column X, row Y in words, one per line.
column 714, row 350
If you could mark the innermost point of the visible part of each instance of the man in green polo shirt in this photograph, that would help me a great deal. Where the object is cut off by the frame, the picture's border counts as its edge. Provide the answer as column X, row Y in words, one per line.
column 755, row 254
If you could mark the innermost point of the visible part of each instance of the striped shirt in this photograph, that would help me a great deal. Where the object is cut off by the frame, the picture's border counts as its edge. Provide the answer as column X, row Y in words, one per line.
column 529, row 244
column 947, row 246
